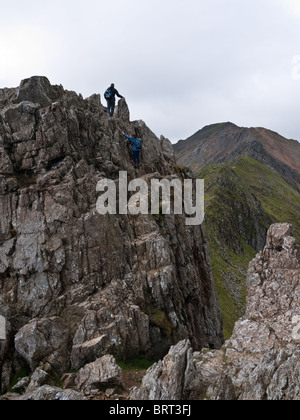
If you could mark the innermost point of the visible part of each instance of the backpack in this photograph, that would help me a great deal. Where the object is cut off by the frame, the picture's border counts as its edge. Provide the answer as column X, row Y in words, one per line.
column 108, row 94
column 138, row 143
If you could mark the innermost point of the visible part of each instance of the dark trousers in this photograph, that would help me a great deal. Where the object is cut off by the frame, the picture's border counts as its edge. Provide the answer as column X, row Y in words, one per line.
column 136, row 158
column 111, row 107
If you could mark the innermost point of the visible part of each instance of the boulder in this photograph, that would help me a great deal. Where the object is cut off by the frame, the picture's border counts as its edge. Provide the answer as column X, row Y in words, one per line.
column 38, row 89
column 167, row 379
column 104, row 372
column 37, row 379
column 43, row 340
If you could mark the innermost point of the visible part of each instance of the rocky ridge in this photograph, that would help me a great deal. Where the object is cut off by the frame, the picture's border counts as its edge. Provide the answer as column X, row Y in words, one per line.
column 220, row 143
column 252, row 180
column 76, row 286
column 262, row 359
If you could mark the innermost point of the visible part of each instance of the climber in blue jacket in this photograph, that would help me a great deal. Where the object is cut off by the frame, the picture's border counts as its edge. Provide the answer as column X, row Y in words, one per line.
column 137, row 145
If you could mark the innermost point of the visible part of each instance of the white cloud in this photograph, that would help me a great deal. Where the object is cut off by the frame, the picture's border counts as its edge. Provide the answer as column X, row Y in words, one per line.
column 24, row 51
column 296, row 67
column 181, row 64
column 293, row 6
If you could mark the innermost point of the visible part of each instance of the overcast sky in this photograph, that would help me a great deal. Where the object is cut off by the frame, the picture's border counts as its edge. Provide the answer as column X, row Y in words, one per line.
column 181, row 64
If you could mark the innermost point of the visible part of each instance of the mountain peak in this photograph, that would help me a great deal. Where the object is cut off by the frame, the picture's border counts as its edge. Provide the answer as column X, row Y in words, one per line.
column 36, row 89
column 219, row 143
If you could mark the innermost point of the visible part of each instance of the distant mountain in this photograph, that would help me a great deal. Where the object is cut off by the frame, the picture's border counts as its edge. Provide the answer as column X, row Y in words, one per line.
column 252, row 179
column 223, row 142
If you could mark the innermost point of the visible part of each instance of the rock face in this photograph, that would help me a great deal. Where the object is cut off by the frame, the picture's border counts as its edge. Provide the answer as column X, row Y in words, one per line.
column 2, row 328
column 75, row 285
column 103, row 372
column 166, row 380
column 262, row 359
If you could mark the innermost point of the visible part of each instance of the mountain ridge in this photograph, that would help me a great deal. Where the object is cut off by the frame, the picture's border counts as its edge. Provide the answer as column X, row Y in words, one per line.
column 249, row 184
column 76, row 286
column 222, row 142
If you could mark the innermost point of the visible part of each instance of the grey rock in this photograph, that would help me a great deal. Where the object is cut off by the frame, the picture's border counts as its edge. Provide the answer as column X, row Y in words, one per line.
column 50, row 393
column 70, row 395
column 123, row 111
column 2, row 328
column 264, row 351
column 45, row 393
column 37, row 379
column 261, row 360
column 43, row 340
column 22, row 385
column 104, row 372
column 167, row 148
column 75, row 285
column 9, row 396
column 167, row 379
column 38, row 89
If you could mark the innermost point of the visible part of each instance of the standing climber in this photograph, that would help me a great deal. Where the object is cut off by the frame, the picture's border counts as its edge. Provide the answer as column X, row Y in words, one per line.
column 137, row 145
column 110, row 96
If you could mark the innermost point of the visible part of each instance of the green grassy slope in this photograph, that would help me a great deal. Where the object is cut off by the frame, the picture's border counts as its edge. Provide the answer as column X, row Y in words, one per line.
column 243, row 198
column 280, row 200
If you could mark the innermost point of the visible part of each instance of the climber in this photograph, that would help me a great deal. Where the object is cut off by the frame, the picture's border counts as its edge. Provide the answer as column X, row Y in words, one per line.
column 110, row 96
column 137, row 144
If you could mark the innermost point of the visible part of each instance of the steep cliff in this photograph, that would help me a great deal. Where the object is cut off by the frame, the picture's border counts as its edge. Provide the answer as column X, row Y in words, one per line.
column 251, row 181
column 75, row 285
column 262, row 359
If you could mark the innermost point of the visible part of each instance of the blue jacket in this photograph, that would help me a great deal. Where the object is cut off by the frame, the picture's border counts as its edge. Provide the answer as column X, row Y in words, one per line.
column 114, row 92
column 133, row 141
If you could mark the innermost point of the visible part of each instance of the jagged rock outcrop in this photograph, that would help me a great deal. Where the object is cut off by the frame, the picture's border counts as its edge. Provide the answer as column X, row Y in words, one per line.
column 103, row 372
column 262, row 359
column 167, row 379
column 75, row 285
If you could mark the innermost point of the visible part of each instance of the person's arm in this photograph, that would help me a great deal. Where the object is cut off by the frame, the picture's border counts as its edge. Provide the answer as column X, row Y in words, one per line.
column 129, row 138
column 118, row 95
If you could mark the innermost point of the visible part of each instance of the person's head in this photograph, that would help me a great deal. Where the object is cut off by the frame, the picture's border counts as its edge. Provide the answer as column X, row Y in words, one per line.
column 137, row 132
column 112, row 85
